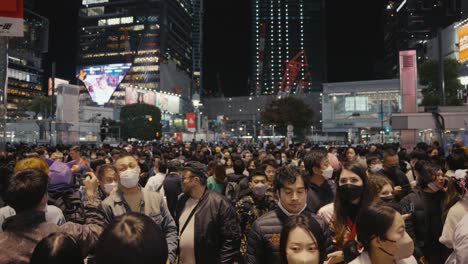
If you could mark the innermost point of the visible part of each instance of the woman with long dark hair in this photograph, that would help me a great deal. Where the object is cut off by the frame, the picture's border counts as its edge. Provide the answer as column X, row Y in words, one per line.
column 351, row 196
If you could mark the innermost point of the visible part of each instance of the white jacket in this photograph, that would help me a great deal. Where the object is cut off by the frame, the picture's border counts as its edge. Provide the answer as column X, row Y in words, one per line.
column 455, row 214
column 365, row 259
column 460, row 243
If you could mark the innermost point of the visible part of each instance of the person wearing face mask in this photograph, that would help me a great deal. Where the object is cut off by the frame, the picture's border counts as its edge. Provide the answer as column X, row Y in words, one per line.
column 253, row 203
column 302, row 241
column 381, row 231
column 130, row 197
column 352, row 195
column 263, row 239
column 381, row 189
column 425, row 204
column 374, row 165
column 322, row 188
column 107, row 181
column 391, row 163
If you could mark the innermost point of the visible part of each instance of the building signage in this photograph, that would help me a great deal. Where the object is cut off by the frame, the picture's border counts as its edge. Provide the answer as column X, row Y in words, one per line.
column 11, row 18
column 463, row 42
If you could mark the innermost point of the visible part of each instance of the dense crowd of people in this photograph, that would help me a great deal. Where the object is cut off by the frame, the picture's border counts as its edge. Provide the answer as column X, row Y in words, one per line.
column 231, row 202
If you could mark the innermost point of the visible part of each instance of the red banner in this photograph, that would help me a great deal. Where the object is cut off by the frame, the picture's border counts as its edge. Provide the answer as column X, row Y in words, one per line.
column 11, row 18
column 191, row 122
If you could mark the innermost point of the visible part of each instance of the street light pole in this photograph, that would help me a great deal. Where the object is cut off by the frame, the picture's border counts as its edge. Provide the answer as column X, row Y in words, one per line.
column 381, row 122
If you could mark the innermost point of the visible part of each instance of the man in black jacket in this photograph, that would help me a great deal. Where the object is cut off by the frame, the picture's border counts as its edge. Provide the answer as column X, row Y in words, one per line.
column 391, row 170
column 208, row 227
column 264, row 237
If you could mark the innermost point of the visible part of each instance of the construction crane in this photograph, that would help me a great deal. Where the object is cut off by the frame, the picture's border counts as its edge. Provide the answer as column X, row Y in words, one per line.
column 291, row 71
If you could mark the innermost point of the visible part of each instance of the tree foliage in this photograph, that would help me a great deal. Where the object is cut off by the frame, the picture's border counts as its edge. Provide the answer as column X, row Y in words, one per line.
column 38, row 105
column 429, row 77
column 140, row 121
column 288, row 111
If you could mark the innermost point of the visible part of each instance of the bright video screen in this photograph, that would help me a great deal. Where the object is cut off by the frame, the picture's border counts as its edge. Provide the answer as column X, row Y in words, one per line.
column 102, row 80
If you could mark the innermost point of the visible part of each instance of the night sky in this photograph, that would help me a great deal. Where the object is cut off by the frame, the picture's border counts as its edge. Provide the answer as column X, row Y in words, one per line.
column 354, row 41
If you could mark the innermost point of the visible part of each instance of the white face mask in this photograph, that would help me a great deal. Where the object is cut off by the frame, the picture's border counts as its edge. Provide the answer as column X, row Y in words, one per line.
column 303, row 258
column 130, row 178
column 108, row 187
column 328, row 173
column 259, row 189
column 376, row 168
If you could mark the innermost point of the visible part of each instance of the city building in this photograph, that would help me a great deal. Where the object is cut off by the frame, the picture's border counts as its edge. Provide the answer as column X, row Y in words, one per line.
column 361, row 109
column 410, row 24
column 25, row 58
column 288, row 46
column 135, row 51
column 240, row 116
column 197, row 44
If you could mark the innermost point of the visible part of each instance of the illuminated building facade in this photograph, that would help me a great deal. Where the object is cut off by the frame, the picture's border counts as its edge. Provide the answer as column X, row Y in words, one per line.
column 154, row 36
column 288, row 34
column 197, row 40
column 25, row 55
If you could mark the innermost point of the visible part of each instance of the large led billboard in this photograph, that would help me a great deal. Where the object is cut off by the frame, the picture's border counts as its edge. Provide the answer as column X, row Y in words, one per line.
column 102, row 80
column 164, row 101
column 463, row 42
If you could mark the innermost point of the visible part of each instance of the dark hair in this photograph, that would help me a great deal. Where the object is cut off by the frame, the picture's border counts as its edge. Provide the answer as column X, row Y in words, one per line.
column 389, row 153
column 76, row 149
column 257, row 172
column 132, row 238
column 454, row 193
column 25, row 189
column 288, row 173
column 269, row 162
column 95, row 164
column 456, row 160
column 161, row 165
column 238, row 166
column 374, row 221
column 57, row 248
column 103, row 169
column 313, row 159
column 372, row 157
column 341, row 215
column 427, row 173
column 308, row 224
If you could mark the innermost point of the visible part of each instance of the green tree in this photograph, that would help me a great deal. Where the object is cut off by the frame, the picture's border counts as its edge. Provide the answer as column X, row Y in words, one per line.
column 140, row 121
column 288, row 111
column 429, row 77
column 39, row 105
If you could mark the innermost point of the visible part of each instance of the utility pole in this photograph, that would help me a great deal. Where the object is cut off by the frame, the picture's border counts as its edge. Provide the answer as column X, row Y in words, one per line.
column 441, row 65
column 382, row 135
column 3, row 90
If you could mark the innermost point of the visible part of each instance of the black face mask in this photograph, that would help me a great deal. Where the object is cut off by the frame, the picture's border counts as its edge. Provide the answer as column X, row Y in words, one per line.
column 388, row 199
column 350, row 192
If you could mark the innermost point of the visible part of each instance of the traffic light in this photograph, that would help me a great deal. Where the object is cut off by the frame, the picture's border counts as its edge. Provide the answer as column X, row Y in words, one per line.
column 150, row 119
column 387, row 130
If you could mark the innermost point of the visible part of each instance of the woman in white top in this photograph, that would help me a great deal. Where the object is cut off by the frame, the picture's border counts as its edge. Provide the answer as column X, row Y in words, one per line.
column 456, row 206
column 381, row 231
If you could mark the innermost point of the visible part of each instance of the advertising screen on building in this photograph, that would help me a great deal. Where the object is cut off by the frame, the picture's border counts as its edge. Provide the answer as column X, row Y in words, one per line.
column 463, row 42
column 101, row 81
column 134, row 95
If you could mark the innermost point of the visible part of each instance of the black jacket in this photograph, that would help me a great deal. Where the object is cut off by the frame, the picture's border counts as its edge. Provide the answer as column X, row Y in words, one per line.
column 398, row 179
column 264, row 237
column 172, row 190
column 425, row 224
column 318, row 196
column 217, row 230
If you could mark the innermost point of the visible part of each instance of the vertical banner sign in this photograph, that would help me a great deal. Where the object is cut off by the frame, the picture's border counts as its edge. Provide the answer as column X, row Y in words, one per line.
column 11, row 18
column 408, row 81
column 463, row 43
column 190, row 120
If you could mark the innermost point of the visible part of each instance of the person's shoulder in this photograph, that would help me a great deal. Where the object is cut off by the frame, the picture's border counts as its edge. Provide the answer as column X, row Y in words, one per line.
column 410, row 260
column 53, row 209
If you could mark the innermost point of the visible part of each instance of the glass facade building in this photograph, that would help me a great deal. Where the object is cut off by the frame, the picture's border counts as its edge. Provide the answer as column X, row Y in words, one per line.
column 25, row 58
column 281, row 29
column 362, row 109
column 150, row 35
